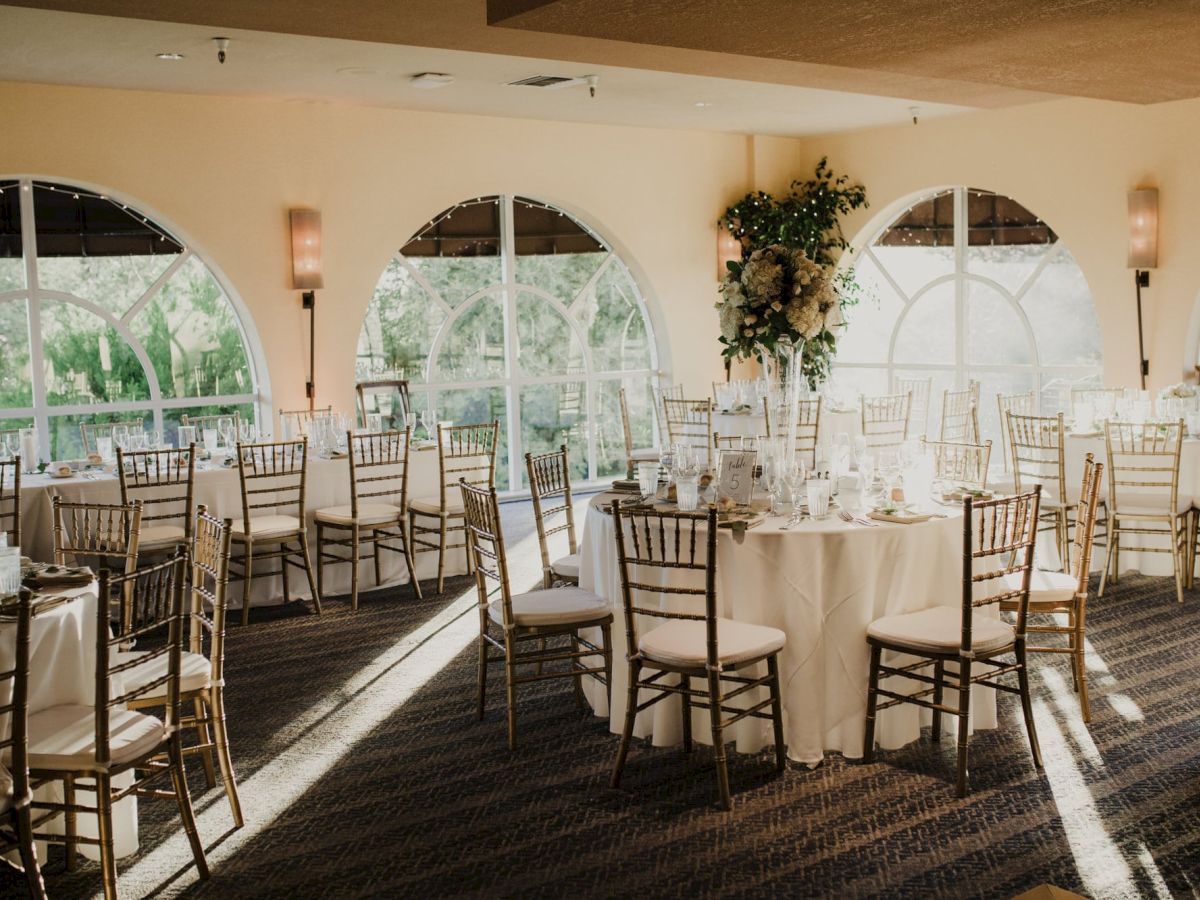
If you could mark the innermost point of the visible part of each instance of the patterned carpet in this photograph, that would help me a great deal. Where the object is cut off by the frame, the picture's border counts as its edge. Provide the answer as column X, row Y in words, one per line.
column 365, row 773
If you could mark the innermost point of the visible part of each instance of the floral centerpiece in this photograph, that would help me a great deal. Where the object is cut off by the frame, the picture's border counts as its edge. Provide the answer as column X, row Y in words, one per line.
column 1182, row 391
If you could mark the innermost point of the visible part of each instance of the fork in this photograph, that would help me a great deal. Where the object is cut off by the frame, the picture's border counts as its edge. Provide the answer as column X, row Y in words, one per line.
column 846, row 517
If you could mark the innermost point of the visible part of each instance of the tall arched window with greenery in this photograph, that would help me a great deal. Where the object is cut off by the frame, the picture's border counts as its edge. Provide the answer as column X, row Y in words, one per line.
column 964, row 285
column 507, row 308
column 108, row 316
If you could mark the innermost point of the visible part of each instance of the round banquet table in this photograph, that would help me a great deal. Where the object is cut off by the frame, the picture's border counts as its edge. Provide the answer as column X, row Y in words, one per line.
column 1077, row 448
column 749, row 424
column 217, row 487
column 62, row 670
column 821, row 583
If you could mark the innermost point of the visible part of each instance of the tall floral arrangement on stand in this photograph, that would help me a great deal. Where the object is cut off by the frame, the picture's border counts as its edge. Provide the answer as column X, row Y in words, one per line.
column 796, row 239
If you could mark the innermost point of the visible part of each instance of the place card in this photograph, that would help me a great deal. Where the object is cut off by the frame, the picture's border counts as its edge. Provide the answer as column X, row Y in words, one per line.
column 737, row 476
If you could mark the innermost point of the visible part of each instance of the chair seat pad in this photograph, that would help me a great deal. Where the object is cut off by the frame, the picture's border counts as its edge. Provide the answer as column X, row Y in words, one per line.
column 939, row 629
column 1045, row 586
column 684, row 642
column 194, row 671
column 646, row 454
column 64, row 737
column 433, row 505
column 264, row 527
column 1148, row 503
column 158, row 535
column 368, row 514
column 556, row 606
column 566, row 566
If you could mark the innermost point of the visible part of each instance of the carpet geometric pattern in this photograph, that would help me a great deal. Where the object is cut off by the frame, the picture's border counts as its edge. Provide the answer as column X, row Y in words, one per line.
column 430, row 802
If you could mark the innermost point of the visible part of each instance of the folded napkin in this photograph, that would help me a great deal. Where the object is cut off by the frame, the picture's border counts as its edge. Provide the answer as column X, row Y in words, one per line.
column 901, row 518
column 62, row 576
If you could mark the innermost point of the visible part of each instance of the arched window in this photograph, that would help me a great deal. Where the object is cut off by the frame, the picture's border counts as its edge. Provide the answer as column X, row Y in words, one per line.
column 969, row 285
column 104, row 316
column 507, row 308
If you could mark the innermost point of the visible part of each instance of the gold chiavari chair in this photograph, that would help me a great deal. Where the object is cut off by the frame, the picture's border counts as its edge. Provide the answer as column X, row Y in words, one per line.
column 1019, row 404
column 998, row 541
column 550, row 483
column 633, row 455
column 10, row 499
column 392, row 393
column 213, row 422
column 1055, row 594
column 103, row 741
column 689, row 422
column 1143, row 495
column 464, row 451
column 531, row 618
column 885, row 419
column 1091, row 395
column 16, row 823
column 376, row 512
column 921, row 390
column 669, row 392
column 963, row 464
column 164, row 480
column 1038, row 451
column 960, row 416
column 273, row 481
column 90, row 431
column 201, row 677
column 295, row 422
column 808, row 426
column 652, row 545
column 108, row 534
column 732, row 441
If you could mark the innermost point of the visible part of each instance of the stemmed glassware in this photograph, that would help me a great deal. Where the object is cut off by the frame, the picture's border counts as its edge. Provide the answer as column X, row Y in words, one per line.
column 227, row 431
column 153, row 438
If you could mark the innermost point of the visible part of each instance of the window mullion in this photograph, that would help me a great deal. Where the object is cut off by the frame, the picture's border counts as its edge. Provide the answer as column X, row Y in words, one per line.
column 961, row 315
column 33, row 306
column 508, row 272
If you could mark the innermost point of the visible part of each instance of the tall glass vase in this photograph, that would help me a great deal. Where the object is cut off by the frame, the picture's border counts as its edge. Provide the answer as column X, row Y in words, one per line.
column 790, row 358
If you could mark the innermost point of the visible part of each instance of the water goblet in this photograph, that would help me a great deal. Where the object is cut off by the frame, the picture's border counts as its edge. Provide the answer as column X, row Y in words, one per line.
column 153, row 438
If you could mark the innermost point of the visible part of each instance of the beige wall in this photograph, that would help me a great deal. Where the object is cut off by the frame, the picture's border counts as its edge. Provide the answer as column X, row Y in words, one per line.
column 225, row 171
column 1071, row 163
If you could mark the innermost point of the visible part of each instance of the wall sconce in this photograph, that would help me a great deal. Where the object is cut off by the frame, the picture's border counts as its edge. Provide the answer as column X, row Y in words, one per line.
column 729, row 249
column 1143, row 253
column 307, row 277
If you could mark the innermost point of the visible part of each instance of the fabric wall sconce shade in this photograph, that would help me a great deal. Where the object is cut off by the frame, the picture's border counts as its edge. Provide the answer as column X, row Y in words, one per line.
column 306, row 249
column 1143, row 229
column 729, row 249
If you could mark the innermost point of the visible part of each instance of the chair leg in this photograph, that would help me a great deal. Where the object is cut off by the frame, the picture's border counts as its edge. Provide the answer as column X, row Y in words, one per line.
column 483, row 663
column 408, row 559
column 635, row 673
column 1079, row 665
column 1027, row 704
column 71, row 822
column 510, row 690
column 285, row 572
column 685, row 703
column 868, row 753
column 376, row 553
column 1109, row 552
column 964, row 722
column 718, row 735
column 29, row 860
column 320, row 558
column 1176, row 560
column 939, row 672
column 247, row 574
column 576, row 664
column 104, row 828
column 184, row 798
column 204, row 737
column 223, row 758
column 777, row 712
column 442, row 554
column 355, row 534
column 312, row 586
column 606, row 633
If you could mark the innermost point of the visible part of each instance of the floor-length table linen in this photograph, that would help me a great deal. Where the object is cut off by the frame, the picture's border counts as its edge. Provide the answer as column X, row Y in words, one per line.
column 821, row 583
column 217, row 487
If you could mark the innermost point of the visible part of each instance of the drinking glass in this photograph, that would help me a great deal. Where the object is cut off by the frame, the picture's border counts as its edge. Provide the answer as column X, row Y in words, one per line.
column 226, row 431
column 687, row 492
column 120, row 436
column 374, row 422
column 211, row 439
column 648, row 478
column 818, row 497
column 411, row 420
column 185, row 435
column 153, row 438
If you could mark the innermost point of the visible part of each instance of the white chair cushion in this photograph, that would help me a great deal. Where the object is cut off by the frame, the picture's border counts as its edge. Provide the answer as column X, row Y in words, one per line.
column 368, row 514
column 567, row 566
column 1133, row 503
column 194, row 671
column 64, row 737
column 263, row 527
column 556, row 606
column 153, row 535
column 433, row 505
column 1044, row 586
column 939, row 629
column 646, row 454
column 684, row 642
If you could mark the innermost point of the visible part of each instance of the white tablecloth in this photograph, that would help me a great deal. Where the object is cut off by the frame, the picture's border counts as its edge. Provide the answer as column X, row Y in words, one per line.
column 821, row 583
column 217, row 487
column 747, row 424
column 62, row 670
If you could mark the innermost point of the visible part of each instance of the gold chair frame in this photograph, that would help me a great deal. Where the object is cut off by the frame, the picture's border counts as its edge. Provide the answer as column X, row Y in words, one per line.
column 200, row 423
column 459, row 450
column 481, row 516
column 965, row 464
column 808, row 426
column 1018, row 404
column 631, row 460
column 921, row 390
column 1000, row 545
column 885, row 419
column 689, row 422
column 301, row 418
column 89, row 431
column 109, row 533
column 400, row 385
column 1038, row 453
column 1089, row 395
column 368, row 453
column 549, row 480
column 960, row 416
column 281, row 466
column 146, row 476
column 10, row 500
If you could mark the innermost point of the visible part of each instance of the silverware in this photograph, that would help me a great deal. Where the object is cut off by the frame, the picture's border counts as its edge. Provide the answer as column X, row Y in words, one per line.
column 854, row 520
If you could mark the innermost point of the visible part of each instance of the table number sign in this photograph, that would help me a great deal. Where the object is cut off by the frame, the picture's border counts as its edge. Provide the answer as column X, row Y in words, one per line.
column 737, row 476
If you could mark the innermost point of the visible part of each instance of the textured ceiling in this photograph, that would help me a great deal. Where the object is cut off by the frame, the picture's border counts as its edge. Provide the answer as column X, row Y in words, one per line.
column 1140, row 51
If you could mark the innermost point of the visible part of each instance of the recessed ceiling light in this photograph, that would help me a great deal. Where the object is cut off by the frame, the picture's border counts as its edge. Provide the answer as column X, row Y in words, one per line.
column 701, row 104
column 431, row 80
column 169, row 56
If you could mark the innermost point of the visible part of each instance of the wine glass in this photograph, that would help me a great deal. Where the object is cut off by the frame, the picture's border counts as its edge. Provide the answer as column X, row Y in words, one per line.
column 120, row 436
column 153, row 438
column 226, row 430
column 428, row 419
column 412, row 420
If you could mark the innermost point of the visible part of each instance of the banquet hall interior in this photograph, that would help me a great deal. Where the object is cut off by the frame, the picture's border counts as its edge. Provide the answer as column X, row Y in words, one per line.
column 545, row 447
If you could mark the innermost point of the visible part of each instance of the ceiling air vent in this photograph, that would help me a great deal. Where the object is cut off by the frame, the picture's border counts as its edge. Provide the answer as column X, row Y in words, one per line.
column 553, row 82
